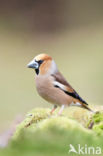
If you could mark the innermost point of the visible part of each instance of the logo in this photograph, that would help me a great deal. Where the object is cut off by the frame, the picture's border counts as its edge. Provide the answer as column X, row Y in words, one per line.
column 84, row 149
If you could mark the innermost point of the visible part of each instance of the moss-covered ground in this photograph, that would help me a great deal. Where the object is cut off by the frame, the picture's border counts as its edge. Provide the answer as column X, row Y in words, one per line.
column 42, row 134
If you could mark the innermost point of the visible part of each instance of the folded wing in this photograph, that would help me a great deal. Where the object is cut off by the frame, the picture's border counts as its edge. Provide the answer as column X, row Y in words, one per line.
column 61, row 83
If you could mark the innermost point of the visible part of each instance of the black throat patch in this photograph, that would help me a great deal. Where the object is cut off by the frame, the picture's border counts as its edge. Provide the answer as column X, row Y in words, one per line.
column 37, row 71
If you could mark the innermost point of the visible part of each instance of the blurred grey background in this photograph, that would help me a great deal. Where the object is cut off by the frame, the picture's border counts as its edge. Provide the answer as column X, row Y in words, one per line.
column 70, row 31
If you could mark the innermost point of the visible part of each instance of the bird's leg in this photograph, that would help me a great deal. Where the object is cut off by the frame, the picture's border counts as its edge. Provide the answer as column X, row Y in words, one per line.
column 54, row 108
column 61, row 109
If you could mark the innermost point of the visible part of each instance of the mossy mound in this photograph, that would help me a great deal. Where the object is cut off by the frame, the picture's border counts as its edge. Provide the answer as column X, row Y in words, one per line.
column 51, row 135
column 96, row 123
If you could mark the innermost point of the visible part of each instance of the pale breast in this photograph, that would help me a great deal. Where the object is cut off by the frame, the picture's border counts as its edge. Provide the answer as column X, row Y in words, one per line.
column 45, row 88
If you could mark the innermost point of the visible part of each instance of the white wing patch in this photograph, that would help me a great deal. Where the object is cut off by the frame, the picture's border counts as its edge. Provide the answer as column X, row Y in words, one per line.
column 59, row 85
column 76, row 104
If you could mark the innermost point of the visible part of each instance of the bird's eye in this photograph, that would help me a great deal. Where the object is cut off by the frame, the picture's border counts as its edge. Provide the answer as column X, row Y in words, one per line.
column 40, row 62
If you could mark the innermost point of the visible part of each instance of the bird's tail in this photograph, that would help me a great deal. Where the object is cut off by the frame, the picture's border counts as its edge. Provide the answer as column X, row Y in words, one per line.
column 86, row 107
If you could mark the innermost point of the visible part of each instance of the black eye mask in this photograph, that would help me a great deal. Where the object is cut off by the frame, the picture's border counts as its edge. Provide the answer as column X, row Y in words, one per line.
column 39, row 62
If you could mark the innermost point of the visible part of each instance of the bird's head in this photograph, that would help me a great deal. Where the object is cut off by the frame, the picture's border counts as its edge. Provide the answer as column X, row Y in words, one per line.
column 43, row 64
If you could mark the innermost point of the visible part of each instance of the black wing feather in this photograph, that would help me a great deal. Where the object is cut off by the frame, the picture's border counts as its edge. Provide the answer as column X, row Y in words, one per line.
column 73, row 94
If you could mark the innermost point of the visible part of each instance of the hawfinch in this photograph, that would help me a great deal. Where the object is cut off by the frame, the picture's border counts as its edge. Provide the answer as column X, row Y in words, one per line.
column 52, row 86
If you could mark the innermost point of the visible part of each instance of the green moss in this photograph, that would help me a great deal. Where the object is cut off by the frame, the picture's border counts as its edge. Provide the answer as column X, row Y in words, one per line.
column 98, row 128
column 39, row 117
column 98, row 117
column 31, row 120
column 97, row 123
column 43, row 134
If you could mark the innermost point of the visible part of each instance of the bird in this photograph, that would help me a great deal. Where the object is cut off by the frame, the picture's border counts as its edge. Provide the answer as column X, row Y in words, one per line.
column 52, row 86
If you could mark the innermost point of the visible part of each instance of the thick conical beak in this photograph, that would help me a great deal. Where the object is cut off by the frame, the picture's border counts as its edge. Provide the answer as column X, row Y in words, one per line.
column 33, row 64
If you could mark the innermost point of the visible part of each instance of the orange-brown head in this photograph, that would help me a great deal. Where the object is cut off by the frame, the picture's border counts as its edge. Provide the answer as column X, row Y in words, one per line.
column 43, row 64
